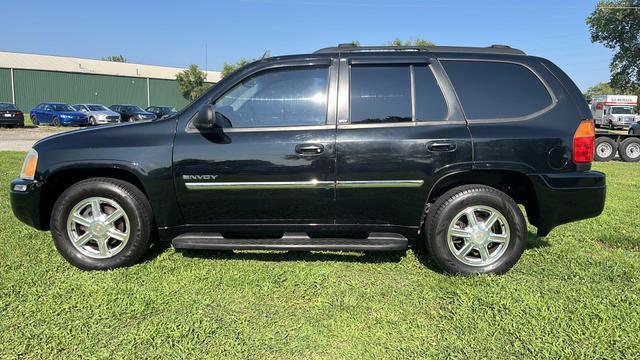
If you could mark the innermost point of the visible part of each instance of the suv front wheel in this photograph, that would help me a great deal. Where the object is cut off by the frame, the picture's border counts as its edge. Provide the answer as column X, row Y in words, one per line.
column 475, row 229
column 101, row 223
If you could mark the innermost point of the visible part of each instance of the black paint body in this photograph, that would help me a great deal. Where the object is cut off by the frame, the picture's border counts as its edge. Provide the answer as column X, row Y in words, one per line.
column 157, row 155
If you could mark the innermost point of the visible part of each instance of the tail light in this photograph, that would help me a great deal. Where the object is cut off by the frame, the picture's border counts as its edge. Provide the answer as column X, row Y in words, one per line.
column 584, row 142
column 19, row 114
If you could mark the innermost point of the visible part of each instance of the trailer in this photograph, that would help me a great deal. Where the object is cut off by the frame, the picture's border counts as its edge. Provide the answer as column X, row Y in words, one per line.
column 610, row 143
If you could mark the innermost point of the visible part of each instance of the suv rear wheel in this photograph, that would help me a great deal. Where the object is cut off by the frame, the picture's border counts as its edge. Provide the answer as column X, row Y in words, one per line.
column 475, row 229
column 101, row 223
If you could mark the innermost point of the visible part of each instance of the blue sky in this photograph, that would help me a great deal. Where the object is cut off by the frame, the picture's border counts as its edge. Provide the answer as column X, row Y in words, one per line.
column 174, row 33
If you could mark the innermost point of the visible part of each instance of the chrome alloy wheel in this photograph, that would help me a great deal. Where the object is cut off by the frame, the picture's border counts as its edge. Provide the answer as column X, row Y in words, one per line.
column 633, row 150
column 478, row 235
column 604, row 150
column 98, row 227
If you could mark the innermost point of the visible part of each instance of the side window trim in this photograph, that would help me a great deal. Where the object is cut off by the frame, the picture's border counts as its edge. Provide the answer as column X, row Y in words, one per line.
column 412, row 79
column 553, row 103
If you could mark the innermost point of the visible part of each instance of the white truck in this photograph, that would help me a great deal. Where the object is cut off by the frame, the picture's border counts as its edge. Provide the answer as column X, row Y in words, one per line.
column 614, row 111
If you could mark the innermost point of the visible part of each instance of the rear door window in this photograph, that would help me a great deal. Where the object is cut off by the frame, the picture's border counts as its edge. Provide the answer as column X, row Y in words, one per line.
column 380, row 94
column 496, row 90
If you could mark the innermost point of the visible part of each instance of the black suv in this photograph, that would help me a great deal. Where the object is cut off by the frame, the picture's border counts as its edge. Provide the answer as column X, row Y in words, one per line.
column 349, row 148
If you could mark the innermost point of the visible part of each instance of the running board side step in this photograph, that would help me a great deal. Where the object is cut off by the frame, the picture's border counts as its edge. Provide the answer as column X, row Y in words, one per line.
column 291, row 241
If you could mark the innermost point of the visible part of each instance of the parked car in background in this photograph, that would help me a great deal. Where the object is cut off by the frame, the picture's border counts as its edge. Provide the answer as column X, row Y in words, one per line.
column 161, row 111
column 130, row 112
column 10, row 115
column 57, row 114
column 634, row 129
column 98, row 114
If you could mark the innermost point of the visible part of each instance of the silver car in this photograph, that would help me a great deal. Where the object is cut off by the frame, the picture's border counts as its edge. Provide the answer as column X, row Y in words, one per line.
column 98, row 114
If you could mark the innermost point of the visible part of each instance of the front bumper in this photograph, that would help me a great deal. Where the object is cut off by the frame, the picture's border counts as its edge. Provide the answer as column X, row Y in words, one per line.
column 563, row 198
column 623, row 123
column 26, row 203
column 107, row 121
column 80, row 121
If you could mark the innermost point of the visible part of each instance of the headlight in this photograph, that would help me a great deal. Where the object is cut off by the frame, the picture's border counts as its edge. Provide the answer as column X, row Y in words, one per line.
column 29, row 166
column 65, row 116
column 102, row 116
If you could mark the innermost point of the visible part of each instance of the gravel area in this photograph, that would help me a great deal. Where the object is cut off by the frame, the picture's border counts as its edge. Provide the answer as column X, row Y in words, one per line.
column 21, row 139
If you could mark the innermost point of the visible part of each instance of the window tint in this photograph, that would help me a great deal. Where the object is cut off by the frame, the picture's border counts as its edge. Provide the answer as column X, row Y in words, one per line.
column 430, row 103
column 491, row 90
column 289, row 97
column 380, row 94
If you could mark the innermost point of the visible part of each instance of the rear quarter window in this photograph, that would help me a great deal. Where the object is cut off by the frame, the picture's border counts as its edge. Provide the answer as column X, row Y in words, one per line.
column 496, row 90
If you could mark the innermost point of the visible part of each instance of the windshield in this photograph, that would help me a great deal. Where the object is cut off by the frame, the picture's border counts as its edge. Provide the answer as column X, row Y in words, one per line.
column 621, row 110
column 97, row 108
column 132, row 108
column 4, row 106
column 62, row 107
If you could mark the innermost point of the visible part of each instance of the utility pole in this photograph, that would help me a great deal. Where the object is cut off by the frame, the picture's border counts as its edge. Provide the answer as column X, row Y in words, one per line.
column 206, row 58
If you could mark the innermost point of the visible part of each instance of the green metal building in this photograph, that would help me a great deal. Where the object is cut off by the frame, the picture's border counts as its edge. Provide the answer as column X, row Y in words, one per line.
column 29, row 79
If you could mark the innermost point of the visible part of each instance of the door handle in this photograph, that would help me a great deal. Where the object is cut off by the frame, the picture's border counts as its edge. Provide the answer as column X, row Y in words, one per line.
column 309, row 149
column 441, row 146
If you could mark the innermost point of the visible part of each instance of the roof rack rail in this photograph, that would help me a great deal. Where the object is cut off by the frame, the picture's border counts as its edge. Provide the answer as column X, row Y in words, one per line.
column 493, row 49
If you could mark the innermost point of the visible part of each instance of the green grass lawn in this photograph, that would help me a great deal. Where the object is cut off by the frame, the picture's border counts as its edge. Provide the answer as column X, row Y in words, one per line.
column 575, row 294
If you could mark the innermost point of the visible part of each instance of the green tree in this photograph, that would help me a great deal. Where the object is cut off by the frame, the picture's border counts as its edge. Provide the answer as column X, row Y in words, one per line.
column 616, row 25
column 416, row 42
column 192, row 82
column 115, row 58
column 603, row 88
column 228, row 68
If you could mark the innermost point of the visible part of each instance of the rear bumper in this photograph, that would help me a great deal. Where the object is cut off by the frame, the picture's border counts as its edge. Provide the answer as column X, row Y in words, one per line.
column 26, row 204
column 563, row 198
column 11, row 121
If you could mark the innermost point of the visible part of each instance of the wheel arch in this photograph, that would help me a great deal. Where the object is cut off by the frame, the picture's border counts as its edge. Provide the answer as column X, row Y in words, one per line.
column 58, row 181
column 515, row 184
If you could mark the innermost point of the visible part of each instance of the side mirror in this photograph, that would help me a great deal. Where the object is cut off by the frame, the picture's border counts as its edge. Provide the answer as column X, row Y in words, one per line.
column 206, row 118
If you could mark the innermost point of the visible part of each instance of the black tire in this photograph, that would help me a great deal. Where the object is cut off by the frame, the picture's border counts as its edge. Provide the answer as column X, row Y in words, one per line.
column 449, row 205
column 55, row 121
column 629, row 150
column 34, row 120
column 132, row 201
column 92, row 121
column 606, row 149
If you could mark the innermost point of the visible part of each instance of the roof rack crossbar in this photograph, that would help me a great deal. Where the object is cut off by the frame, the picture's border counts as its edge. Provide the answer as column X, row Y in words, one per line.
column 493, row 49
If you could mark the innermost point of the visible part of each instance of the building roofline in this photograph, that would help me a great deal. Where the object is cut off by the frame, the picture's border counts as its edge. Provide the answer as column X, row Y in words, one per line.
column 18, row 60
